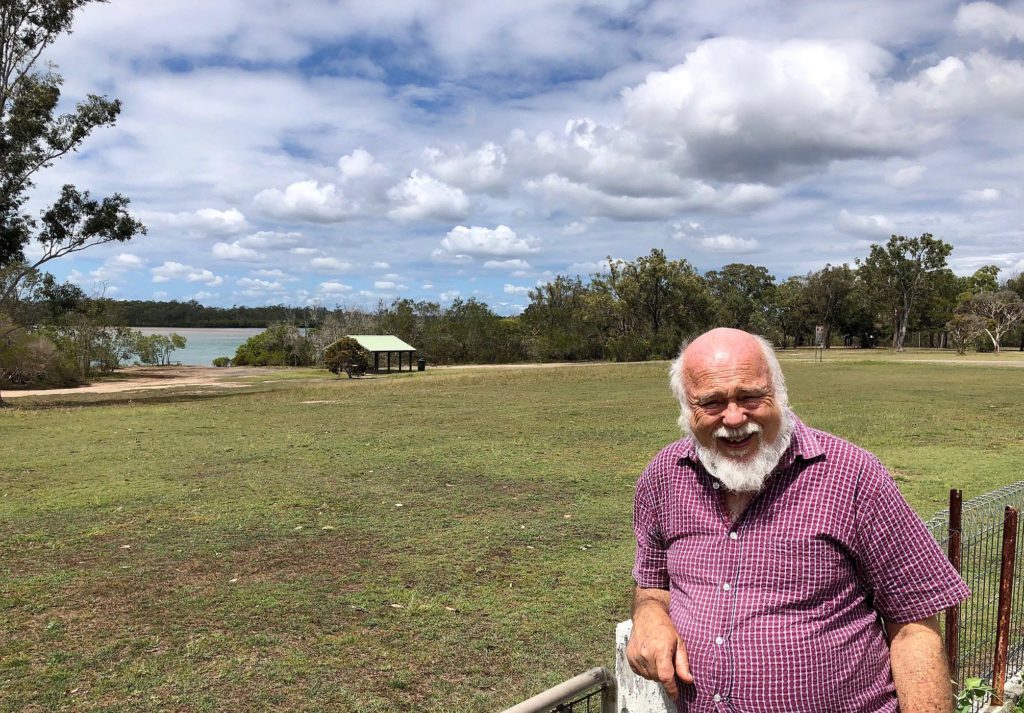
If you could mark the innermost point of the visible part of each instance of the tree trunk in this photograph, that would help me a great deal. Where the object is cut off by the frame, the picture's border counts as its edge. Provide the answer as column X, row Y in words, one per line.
column 995, row 342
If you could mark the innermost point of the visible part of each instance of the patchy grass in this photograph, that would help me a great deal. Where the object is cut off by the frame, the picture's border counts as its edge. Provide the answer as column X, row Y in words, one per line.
column 452, row 540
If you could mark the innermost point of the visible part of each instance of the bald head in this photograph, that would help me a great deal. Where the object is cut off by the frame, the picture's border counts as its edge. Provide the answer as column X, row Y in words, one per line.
column 725, row 349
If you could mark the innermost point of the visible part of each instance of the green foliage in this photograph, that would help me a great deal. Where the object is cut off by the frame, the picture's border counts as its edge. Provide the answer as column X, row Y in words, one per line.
column 899, row 275
column 157, row 348
column 222, row 361
column 744, row 296
column 278, row 345
column 346, row 355
column 973, row 694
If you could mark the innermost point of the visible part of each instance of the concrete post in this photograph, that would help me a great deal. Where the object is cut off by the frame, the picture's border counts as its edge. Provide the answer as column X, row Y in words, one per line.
column 636, row 694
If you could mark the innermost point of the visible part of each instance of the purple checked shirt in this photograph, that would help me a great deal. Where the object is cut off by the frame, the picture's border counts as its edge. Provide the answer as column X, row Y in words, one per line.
column 780, row 610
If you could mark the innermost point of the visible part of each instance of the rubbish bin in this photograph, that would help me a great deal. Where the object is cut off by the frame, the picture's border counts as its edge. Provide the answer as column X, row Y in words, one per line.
column 421, row 364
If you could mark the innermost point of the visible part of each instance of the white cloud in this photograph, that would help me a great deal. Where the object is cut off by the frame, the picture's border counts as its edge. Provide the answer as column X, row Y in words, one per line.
column 479, row 241
column 307, row 200
column 269, row 240
column 359, row 164
column 423, row 197
column 171, row 270
column 126, row 261
column 871, row 226
column 304, row 251
column 275, row 274
column 577, row 227
column 201, row 222
column 381, row 265
column 447, row 258
column 514, row 264
column 741, row 109
column 449, row 295
column 255, row 285
column 981, row 195
column 954, row 87
column 427, row 286
column 384, row 285
column 990, row 20
column 905, row 176
column 480, row 170
column 334, row 287
column 329, row 264
column 516, row 289
column 234, row 251
column 726, row 243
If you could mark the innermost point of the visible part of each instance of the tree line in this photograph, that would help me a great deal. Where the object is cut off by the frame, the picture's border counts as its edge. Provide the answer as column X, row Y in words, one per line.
column 643, row 309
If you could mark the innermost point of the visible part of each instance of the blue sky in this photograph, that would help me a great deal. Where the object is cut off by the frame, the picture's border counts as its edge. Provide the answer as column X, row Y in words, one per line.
column 348, row 152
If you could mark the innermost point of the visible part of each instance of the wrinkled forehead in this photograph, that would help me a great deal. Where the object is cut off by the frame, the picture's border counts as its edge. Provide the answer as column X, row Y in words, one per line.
column 724, row 365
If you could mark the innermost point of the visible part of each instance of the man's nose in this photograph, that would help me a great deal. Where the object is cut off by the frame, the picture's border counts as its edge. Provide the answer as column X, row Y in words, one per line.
column 734, row 416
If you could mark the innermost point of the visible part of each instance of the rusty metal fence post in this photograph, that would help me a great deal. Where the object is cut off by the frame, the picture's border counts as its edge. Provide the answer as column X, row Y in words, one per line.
column 956, row 499
column 1009, row 556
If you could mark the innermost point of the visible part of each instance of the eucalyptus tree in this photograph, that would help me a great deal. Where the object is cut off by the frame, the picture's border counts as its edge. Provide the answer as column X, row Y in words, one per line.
column 899, row 274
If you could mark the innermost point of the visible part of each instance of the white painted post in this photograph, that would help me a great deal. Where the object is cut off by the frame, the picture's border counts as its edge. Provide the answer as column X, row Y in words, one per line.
column 636, row 694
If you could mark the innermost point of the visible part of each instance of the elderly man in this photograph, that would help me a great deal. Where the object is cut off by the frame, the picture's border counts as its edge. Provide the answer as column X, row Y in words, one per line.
column 778, row 568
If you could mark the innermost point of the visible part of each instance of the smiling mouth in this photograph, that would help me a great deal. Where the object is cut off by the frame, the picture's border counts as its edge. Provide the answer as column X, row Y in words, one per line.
column 736, row 444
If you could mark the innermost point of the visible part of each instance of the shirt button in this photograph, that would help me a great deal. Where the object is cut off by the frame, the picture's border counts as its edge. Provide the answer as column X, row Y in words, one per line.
column 717, row 698
column 727, row 586
column 719, row 641
column 734, row 535
column 716, row 485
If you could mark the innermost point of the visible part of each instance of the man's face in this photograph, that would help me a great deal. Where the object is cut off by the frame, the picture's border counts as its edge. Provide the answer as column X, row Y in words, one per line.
column 733, row 406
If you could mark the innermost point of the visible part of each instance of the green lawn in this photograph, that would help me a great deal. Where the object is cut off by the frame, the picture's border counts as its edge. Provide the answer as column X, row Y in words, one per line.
column 455, row 540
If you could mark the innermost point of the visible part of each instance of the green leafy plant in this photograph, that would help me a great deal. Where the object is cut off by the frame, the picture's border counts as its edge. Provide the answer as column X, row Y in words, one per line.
column 973, row 694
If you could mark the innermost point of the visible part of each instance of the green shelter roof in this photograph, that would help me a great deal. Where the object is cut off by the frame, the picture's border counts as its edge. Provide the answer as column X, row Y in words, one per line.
column 382, row 343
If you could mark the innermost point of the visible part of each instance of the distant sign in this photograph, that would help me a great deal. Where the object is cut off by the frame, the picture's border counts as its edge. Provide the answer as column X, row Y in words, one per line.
column 819, row 335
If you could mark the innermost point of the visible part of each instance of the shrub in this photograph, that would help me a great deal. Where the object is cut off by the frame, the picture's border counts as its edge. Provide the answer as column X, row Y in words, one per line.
column 345, row 355
column 222, row 361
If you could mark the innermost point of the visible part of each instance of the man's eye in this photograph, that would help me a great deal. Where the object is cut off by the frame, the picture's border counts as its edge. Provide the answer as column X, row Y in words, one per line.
column 751, row 401
column 713, row 405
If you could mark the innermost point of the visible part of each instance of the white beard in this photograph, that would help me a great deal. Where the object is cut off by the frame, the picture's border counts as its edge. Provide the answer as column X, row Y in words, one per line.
column 748, row 475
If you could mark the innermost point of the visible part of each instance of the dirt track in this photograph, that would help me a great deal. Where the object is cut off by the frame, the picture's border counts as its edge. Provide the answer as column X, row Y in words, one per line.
column 140, row 378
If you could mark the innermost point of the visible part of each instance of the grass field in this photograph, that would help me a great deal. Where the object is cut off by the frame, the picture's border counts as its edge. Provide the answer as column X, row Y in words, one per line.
column 455, row 540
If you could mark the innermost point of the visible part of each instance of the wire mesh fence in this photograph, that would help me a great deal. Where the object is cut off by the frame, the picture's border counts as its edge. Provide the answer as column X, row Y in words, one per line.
column 981, row 558
column 589, row 702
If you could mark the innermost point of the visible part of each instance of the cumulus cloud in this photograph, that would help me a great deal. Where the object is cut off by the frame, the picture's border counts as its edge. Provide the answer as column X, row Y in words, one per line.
column 981, row 195
column 200, row 222
column 234, row 251
column 423, row 197
column 257, row 285
column 449, row 295
column 726, row 243
column 329, row 264
column 743, row 110
column 990, row 21
column 171, row 270
column 514, row 264
column 270, row 240
column 955, row 86
column 381, row 265
column 479, row 170
column 334, row 287
column 905, row 176
column 387, row 285
column 275, row 274
column 477, row 241
column 516, row 289
column 359, row 164
column 871, row 226
column 307, row 200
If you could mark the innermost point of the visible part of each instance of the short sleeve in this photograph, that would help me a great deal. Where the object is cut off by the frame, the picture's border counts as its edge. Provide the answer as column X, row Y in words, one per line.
column 901, row 564
column 650, row 569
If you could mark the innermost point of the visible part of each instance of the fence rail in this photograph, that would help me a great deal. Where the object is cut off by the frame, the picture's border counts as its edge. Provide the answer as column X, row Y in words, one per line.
column 981, row 557
column 590, row 692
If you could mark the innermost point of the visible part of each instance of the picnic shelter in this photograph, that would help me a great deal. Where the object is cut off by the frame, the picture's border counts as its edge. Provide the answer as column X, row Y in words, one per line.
column 388, row 344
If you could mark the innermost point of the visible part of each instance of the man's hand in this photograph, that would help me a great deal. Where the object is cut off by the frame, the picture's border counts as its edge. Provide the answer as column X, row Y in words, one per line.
column 655, row 650
column 919, row 667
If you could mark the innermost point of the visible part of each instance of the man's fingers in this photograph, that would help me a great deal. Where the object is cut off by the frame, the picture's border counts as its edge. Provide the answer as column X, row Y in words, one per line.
column 683, row 663
column 667, row 673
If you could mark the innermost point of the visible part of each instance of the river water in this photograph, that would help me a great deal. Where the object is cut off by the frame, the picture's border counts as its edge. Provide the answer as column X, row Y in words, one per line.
column 203, row 345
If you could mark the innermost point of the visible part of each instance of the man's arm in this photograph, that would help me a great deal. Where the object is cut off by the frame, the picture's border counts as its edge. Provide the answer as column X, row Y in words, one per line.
column 655, row 650
column 919, row 667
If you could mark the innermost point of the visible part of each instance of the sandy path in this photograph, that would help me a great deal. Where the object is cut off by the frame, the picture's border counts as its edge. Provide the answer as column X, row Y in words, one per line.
column 142, row 378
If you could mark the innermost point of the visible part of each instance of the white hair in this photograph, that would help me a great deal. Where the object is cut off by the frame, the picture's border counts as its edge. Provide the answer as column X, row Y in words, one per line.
column 678, row 386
